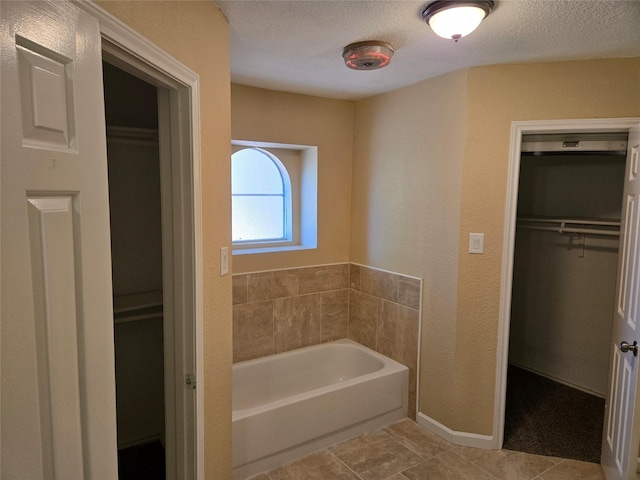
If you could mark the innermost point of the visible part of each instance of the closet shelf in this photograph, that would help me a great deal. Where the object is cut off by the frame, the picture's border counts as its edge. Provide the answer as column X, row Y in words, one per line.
column 132, row 135
column 139, row 306
column 585, row 226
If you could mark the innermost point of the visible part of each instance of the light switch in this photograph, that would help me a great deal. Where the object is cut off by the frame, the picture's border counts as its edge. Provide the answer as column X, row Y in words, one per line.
column 224, row 261
column 476, row 243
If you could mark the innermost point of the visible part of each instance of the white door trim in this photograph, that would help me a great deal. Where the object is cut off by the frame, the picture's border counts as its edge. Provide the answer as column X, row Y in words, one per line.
column 517, row 130
column 187, row 82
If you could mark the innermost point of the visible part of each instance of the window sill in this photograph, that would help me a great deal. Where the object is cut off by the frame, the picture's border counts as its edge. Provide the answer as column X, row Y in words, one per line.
column 288, row 248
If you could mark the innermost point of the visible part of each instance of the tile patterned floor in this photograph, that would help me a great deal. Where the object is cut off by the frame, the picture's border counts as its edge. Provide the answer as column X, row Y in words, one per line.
column 405, row 451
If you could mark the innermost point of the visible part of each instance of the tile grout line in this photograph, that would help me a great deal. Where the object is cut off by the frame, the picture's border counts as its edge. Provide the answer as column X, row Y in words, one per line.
column 346, row 466
column 459, row 447
column 548, row 469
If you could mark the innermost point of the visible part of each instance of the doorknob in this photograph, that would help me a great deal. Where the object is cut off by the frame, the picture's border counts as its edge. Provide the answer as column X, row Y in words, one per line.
column 625, row 347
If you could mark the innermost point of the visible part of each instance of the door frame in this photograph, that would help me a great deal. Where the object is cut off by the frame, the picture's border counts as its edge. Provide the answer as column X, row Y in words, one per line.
column 518, row 129
column 178, row 117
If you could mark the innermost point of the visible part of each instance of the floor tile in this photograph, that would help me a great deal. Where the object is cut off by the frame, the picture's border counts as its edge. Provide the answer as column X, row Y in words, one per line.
column 417, row 439
column 506, row 464
column 574, row 470
column 406, row 451
column 317, row 466
column 262, row 476
column 375, row 456
column 446, row 466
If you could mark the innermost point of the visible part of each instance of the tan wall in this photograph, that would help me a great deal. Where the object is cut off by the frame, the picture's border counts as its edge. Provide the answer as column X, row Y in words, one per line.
column 278, row 117
column 430, row 166
column 406, row 200
column 186, row 30
column 497, row 96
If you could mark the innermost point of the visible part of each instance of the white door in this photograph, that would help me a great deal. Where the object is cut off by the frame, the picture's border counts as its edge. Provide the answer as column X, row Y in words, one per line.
column 620, row 442
column 57, row 397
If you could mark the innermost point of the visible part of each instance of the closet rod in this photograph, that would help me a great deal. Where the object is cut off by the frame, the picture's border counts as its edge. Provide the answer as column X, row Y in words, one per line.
column 135, row 318
column 589, row 231
column 611, row 223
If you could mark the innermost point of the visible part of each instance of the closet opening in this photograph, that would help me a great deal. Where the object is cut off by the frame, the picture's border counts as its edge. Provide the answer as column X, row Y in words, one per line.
column 569, row 206
column 131, row 110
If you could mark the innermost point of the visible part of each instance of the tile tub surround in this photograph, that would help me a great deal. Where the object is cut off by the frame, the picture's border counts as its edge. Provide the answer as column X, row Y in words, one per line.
column 281, row 310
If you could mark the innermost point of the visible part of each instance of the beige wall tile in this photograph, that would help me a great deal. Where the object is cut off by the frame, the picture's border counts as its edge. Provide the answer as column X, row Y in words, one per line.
column 390, row 331
column 334, row 315
column 397, row 333
column 363, row 318
column 296, row 322
column 239, row 286
column 354, row 275
column 270, row 285
column 323, row 278
column 413, row 384
column 411, row 321
column 379, row 284
column 252, row 331
column 409, row 292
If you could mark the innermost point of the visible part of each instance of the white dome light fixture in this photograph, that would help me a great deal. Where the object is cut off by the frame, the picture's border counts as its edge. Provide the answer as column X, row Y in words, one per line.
column 453, row 19
column 368, row 55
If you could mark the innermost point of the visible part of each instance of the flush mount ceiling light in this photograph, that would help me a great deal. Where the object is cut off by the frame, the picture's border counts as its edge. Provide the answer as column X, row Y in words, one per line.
column 367, row 55
column 456, row 18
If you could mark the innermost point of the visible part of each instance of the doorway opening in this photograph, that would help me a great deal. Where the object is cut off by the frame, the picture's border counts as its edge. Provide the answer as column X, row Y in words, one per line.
column 135, row 206
column 157, row 277
column 621, row 432
column 570, row 194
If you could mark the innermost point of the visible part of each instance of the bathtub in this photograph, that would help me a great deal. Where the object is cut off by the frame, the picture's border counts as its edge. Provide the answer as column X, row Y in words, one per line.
column 291, row 404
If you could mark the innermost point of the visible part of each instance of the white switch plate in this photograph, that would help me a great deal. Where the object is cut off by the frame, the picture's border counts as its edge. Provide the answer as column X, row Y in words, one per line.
column 476, row 243
column 224, row 261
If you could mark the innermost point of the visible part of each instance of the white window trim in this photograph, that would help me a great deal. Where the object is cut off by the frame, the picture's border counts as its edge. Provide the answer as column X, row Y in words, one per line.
column 289, row 191
column 304, row 202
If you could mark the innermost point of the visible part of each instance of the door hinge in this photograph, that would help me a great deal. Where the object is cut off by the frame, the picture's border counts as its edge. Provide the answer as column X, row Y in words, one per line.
column 190, row 381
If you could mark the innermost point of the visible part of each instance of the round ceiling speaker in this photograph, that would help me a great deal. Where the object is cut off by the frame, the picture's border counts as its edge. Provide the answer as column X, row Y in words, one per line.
column 367, row 55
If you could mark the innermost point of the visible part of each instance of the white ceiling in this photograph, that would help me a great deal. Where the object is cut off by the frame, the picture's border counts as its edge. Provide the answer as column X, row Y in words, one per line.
column 296, row 46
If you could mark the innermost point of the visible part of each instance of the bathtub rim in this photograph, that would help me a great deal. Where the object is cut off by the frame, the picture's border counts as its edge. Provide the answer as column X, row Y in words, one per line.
column 389, row 366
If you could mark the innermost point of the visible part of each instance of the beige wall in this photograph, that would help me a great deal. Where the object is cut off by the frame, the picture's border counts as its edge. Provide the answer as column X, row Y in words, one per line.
column 406, row 201
column 197, row 35
column 278, row 117
column 430, row 166
column 499, row 95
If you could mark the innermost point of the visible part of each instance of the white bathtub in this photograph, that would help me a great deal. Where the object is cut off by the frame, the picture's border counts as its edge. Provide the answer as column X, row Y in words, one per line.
column 291, row 404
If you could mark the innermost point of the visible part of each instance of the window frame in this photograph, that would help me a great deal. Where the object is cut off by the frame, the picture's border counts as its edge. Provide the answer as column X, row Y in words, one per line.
column 287, row 201
column 301, row 165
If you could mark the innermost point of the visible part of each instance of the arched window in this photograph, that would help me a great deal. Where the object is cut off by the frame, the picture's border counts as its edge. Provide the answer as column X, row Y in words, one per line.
column 261, row 197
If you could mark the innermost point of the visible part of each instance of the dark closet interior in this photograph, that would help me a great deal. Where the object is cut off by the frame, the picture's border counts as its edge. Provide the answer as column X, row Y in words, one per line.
column 136, row 248
column 564, row 279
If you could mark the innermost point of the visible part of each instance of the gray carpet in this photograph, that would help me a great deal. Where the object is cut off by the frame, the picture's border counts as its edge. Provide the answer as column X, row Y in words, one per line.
column 142, row 462
column 549, row 418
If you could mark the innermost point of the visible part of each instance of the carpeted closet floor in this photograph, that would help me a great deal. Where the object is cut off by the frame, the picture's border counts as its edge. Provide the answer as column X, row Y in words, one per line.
column 549, row 418
column 142, row 462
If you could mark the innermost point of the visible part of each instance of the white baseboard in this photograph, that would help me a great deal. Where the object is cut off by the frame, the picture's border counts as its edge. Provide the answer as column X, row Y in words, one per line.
column 464, row 439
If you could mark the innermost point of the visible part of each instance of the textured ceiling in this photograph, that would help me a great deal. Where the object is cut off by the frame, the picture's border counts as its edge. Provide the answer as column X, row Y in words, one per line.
column 296, row 46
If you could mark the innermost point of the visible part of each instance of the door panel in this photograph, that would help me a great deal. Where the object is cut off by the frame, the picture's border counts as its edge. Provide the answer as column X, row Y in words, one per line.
column 57, row 388
column 620, row 445
column 53, row 277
